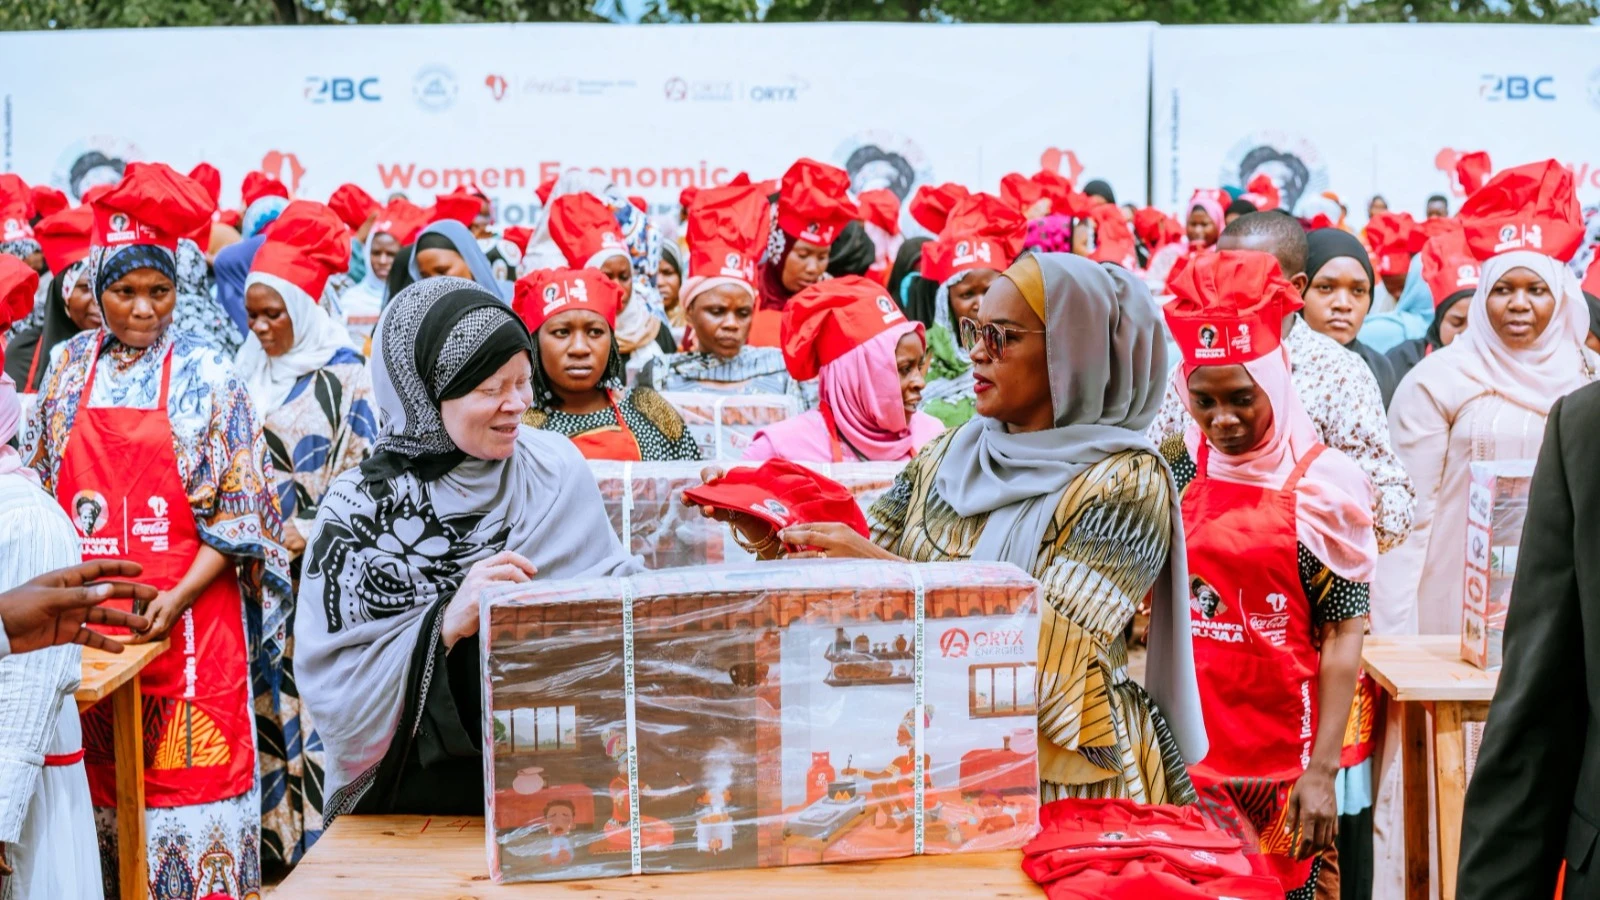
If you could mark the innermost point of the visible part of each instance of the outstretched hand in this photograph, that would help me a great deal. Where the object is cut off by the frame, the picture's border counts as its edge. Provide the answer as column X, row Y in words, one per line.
column 754, row 531
column 57, row 607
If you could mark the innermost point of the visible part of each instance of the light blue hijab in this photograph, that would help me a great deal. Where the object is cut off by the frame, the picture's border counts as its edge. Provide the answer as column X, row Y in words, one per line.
column 1410, row 318
column 467, row 246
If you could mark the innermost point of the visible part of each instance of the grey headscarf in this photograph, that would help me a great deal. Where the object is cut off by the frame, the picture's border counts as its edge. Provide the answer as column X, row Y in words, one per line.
column 385, row 552
column 1106, row 356
column 467, row 246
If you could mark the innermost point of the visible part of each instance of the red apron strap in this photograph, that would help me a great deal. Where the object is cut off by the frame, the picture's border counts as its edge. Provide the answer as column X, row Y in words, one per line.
column 166, row 378
column 833, row 431
column 1300, row 470
column 33, row 367
column 64, row 759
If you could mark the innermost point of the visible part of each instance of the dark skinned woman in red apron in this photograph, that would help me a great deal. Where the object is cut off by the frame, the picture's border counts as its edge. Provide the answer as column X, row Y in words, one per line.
column 1281, row 552
column 578, row 387
column 149, row 443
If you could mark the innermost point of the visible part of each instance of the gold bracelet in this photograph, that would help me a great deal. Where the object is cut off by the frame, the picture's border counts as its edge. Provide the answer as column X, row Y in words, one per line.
column 759, row 548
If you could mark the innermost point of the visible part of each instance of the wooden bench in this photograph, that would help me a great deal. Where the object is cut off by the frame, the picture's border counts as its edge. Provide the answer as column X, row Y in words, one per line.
column 401, row 857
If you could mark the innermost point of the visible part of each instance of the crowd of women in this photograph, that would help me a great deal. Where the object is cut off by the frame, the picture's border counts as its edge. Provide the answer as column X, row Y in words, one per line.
column 323, row 429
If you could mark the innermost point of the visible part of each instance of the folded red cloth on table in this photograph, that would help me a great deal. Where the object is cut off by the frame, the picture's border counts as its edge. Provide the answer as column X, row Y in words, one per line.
column 1118, row 848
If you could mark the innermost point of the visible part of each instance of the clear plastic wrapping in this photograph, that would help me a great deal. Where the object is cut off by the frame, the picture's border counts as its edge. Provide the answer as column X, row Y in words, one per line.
column 724, row 424
column 1497, row 505
column 772, row 711
column 643, row 501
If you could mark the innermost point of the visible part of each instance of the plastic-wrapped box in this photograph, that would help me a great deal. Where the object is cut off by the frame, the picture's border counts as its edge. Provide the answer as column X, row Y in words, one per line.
column 1497, row 505
column 760, row 715
column 724, row 424
column 643, row 501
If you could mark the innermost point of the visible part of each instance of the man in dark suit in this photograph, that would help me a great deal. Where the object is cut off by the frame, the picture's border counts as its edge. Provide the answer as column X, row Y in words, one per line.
column 1534, row 800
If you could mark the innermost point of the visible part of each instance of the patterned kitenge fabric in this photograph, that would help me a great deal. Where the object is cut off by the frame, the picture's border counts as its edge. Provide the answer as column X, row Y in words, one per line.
column 1101, row 735
column 657, row 427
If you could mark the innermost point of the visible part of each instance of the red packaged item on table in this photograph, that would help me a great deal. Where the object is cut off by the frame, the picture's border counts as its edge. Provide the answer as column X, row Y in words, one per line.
column 755, row 716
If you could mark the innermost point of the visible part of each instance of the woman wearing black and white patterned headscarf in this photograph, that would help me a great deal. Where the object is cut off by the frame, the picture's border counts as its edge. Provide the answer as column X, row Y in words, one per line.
column 456, row 496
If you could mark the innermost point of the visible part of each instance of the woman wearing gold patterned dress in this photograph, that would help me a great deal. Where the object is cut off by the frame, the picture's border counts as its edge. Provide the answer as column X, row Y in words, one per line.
column 1054, row 475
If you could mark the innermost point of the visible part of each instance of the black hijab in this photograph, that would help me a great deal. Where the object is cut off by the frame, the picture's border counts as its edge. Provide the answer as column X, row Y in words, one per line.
column 58, row 326
column 1326, row 245
column 916, row 295
column 853, row 252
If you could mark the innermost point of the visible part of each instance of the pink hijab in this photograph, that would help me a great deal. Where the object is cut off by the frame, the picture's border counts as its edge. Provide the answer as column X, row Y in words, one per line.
column 10, row 418
column 1333, row 508
column 862, row 390
column 1210, row 200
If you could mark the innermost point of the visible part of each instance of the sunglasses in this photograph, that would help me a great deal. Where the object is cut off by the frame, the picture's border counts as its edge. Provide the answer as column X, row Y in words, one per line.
column 994, row 337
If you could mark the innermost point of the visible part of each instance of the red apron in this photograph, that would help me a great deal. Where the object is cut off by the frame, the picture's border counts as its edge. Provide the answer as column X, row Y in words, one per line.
column 120, row 486
column 1253, row 650
column 610, row 443
column 33, row 368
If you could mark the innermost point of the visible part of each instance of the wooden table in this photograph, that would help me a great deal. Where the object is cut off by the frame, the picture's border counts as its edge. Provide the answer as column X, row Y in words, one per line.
column 400, row 857
column 1423, row 674
column 116, row 675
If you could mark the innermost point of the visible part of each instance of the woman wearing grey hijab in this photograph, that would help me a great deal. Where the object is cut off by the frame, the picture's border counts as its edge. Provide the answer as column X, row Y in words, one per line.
column 1055, row 475
column 455, row 497
column 447, row 247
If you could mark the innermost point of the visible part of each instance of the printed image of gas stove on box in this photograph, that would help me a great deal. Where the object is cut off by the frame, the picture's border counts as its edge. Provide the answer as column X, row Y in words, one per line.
column 774, row 718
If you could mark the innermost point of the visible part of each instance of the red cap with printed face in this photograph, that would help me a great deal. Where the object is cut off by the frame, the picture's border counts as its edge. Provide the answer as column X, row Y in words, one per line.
column 833, row 317
column 725, row 232
column 1448, row 267
column 401, row 219
column 584, row 229
column 258, row 185
column 64, row 237
column 1392, row 238
column 1228, row 307
column 541, row 295
column 982, row 232
column 931, row 206
column 814, row 202
column 305, row 246
column 1529, row 207
column 152, row 204
column 782, row 494
column 16, row 208
column 352, row 205
column 881, row 207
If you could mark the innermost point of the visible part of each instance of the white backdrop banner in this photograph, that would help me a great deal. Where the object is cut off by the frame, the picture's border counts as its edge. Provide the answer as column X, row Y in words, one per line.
column 424, row 109
column 1382, row 109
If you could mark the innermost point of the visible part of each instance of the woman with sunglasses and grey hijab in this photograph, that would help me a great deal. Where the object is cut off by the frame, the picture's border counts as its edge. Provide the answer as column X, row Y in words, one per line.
column 1054, row 475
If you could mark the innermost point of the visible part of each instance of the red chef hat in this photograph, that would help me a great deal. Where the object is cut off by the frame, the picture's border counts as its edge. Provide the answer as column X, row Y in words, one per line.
column 1591, row 280
column 981, row 232
column 47, row 201
column 18, row 283
column 64, row 237
column 400, row 218
column 1156, row 228
column 1058, row 187
column 152, row 204
column 1472, row 170
column 831, row 318
column 1530, row 207
column 545, row 189
column 639, row 203
column 814, row 203
column 519, row 236
column 724, row 230
column 1228, row 307
column 306, row 245
column 460, row 204
column 16, row 208
column 781, row 493
column 1021, row 192
column 686, row 198
column 1113, row 240
column 1448, row 267
column 1262, row 192
column 1392, row 238
column 352, row 205
column 931, row 206
column 548, row 292
column 1432, row 228
column 585, row 230
column 229, row 217
column 881, row 207
column 258, row 185
column 207, row 176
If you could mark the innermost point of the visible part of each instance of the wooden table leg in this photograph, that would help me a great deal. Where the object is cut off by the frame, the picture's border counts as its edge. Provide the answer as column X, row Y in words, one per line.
column 127, row 741
column 1414, row 771
column 1450, row 778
